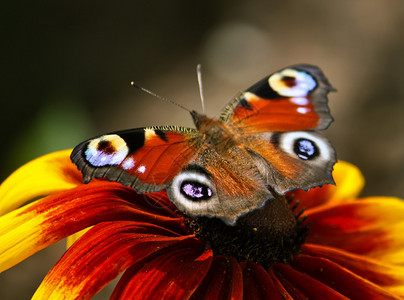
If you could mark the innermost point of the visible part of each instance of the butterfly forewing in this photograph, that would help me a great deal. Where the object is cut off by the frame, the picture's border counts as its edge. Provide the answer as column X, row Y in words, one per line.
column 294, row 98
column 145, row 158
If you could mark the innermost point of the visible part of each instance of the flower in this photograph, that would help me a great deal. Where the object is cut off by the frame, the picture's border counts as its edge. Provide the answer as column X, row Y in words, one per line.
column 354, row 248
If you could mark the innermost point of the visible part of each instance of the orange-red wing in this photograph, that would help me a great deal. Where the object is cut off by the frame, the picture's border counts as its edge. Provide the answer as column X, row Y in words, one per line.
column 275, row 115
column 159, row 160
column 291, row 99
column 145, row 158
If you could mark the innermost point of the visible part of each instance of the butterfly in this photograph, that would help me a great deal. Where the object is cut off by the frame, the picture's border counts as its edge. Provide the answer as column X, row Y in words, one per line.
column 265, row 143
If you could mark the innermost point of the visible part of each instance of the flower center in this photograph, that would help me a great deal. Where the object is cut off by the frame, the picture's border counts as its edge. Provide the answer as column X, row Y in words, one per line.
column 266, row 235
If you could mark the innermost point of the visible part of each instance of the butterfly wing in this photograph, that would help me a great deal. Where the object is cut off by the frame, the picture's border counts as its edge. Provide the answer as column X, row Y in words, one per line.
column 293, row 160
column 146, row 159
column 223, row 184
column 278, row 117
column 294, row 98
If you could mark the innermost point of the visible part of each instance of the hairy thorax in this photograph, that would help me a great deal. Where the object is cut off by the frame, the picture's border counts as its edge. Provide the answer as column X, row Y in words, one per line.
column 216, row 134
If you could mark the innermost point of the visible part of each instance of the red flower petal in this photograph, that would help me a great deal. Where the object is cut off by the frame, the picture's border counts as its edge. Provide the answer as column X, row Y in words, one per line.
column 223, row 281
column 378, row 272
column 160, row 201
column 258, row 284
column 100, row 255
column 42, row 223
column 98, row 201
column 174, row 274
column 280, row 287
column 371, row 226
column 43, row 176
column 301, row 286
column 340, row 279
column 314, row 197
column 348, row 184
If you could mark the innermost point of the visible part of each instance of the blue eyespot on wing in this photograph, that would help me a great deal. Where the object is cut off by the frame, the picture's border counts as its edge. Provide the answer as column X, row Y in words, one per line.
column 294, row 98
column 146, row 159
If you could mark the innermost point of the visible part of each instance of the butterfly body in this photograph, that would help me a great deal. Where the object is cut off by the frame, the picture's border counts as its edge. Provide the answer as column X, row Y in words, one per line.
column 265, row 143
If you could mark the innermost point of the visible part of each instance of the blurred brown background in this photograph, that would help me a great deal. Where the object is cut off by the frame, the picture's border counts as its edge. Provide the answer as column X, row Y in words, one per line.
column 66, row 69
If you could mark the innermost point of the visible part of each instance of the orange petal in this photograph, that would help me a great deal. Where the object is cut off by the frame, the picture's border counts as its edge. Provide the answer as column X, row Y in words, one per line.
column 20, row 236
column 102, row 254
column 372, row 226
column 349, row 183
column 41, row 223
column 71, row 239
column 174, row 274
column 43, row 176
column 338, row 278
column 390, row 277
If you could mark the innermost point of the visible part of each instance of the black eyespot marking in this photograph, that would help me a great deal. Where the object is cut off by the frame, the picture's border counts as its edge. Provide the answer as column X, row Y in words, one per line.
column 289, row 81
column 197, row 169
column 305, row 149
column 263, row 90
column 161, row 134
column 195, row 191
column 245, row 104
column 106, row 147
column 275, row 138
column 134, row 138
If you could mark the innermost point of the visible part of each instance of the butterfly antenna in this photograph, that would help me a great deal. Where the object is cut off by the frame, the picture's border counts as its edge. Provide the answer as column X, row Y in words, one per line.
column 199, row 74
column 132, row 83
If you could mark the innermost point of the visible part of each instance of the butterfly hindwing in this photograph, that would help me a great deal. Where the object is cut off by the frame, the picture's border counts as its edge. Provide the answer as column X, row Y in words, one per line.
column 146, row 159
column 294, row 98
column 223, row 184
column 293, row 160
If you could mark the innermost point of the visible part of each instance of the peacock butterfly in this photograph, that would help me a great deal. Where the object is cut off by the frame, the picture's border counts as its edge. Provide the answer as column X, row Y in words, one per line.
column 265, row 143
